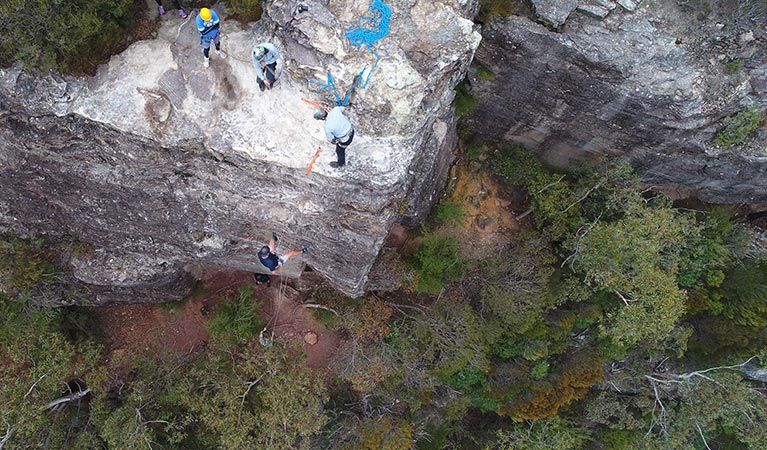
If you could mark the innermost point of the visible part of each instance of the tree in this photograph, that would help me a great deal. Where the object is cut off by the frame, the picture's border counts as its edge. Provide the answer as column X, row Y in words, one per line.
column 556, row 433
column 637, row 258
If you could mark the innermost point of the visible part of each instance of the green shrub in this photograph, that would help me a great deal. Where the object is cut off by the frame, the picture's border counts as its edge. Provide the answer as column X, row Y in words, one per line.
column 73, row 35
column 24, row 263
column 474, row 152
column 236, row 319
column 733, row 66
column 450, row 212
column 490, row 8
column 435, row 262
column 737, row 128
column 485, row 74
column 464, row 103
column 539, row 370
column 245, row 10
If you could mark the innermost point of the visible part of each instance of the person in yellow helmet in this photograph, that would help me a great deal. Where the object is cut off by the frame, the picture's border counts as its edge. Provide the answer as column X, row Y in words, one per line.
column 207, row 25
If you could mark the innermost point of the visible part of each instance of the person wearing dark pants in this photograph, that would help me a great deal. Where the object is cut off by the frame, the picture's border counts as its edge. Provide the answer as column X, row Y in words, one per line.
column 338, row 131
column 264, row 60
column 176, row 5
column 208, row 26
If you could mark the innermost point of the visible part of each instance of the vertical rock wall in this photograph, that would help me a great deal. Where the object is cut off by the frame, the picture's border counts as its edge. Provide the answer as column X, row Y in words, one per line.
column 652, row 80
column 157, row 164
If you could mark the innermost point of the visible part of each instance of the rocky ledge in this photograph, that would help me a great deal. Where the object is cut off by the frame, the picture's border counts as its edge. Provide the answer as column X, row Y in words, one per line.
column 652, row 80
column 157, row 164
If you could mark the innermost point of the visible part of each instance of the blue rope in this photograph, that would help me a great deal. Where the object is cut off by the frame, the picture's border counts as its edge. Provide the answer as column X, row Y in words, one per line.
column 370, row 30
column 331, row 87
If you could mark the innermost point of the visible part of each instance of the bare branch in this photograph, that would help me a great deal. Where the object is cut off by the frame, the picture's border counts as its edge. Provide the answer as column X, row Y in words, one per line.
column 702, row 437
column 553, row 183
column 314, row 305
column 67, row 398
column 33, row 386
column 583, row 197
column 8, row 434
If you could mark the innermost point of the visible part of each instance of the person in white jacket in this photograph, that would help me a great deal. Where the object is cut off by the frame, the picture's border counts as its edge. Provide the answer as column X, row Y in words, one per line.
column 338, row 131
column 264, row 60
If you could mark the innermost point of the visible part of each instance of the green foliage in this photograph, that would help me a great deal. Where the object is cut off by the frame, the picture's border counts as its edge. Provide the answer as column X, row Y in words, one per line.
column 474, row 152
column 39, row 365
column 436, row 261
column 485, row 73
column 23, row 264
column 385, row 433
column 738, row 127
column 68, row 34
column 236, row 318
column 539, row 370
column 637, row 259
column 450, row 211
column 464, row 103
column 245, row 10
column 547, row 434
column 492, row 8
column 733, row 66
column 451, row 339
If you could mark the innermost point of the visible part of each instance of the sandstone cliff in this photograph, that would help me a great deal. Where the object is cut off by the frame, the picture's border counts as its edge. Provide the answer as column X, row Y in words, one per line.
column 157, row 164
column 653, row 80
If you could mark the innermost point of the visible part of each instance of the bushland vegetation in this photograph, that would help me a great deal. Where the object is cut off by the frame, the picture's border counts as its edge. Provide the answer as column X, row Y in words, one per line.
column 614, row 320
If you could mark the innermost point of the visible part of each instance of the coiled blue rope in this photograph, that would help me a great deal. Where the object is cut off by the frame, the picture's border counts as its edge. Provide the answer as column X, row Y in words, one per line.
column 370, row 30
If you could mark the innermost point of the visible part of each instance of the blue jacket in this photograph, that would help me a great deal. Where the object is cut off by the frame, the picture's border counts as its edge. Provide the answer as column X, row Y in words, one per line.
column 206, row 28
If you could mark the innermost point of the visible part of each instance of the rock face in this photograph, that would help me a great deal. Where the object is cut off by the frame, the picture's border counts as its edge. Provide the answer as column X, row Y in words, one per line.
column 652, row 80
column 157, row 164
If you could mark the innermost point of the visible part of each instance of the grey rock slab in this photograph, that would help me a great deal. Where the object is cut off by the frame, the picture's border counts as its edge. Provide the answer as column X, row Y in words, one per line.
column 554, row 12
column 628, row 5
column 596, row 11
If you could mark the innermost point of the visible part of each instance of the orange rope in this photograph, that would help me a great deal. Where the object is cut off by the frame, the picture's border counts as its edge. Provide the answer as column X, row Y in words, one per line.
column 311, row 163
column 315, row 104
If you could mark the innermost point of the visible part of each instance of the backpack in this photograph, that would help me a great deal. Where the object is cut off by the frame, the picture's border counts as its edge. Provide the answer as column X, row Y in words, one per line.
column 262, row 278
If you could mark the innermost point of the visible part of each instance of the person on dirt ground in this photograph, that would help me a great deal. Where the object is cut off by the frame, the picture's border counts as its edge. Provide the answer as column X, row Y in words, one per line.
column 208, row 26
column 264, row 60
column 176, row 5
column 338, row 130
column 269, row 258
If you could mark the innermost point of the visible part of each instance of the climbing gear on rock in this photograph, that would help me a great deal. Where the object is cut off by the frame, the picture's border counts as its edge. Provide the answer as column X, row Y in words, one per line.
column 162, row 11
column 314, row 158
column 306, row 248
column 371, row 29
column 205, row 14
column 182, row 13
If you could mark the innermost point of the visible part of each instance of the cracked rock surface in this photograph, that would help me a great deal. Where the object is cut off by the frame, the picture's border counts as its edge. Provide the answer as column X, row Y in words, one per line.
column 652, row 80
column 158, row 164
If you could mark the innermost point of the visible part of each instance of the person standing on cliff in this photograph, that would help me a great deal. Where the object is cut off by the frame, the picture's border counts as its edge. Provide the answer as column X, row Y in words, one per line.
column 176, row 5
column 208, row 26
column 269, row 258
column 264, row 60
column 338, row 131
